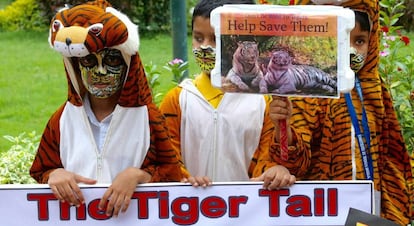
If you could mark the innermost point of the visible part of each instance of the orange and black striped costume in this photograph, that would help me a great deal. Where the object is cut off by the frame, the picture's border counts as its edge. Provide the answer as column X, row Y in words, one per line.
column 322, row 131
column 160, row 159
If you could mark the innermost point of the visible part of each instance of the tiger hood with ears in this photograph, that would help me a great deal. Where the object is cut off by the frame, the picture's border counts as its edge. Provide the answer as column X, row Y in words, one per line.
column 137, row 135
column 326, row 148
column 87, row 28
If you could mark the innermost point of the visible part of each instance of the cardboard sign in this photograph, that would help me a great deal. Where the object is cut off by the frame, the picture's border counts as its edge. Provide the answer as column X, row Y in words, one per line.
column 238, row 203
column 283, row 50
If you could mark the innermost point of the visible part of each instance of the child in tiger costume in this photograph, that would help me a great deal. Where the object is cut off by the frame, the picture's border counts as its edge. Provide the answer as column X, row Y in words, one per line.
column 221, row 136
column 322, row 138
column 109, row 130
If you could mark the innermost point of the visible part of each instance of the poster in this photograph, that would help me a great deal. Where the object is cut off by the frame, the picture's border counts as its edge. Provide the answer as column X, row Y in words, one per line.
column 283, row 50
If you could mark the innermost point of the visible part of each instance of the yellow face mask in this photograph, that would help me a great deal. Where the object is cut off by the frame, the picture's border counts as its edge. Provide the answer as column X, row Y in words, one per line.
column 357, row 60
column 205, row 57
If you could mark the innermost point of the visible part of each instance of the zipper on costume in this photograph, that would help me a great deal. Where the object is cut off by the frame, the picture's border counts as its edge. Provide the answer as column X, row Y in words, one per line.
column 101, row 153
column 99, row 166
column 98, row 152
column 215, row 117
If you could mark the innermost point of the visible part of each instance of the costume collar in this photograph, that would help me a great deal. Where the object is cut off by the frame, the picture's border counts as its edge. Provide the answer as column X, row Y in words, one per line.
column 203, row 84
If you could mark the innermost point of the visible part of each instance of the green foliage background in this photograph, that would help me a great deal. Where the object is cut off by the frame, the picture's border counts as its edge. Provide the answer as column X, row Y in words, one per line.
column 14, row 163
column 153, row 16
column 22, row 15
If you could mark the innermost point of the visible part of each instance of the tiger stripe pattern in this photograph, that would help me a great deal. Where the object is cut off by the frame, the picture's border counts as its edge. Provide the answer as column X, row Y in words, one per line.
column 161, row 160
column 284, row 77
column 322, row 129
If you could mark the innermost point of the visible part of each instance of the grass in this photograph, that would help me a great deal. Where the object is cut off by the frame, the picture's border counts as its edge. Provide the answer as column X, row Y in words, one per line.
column 33, row 83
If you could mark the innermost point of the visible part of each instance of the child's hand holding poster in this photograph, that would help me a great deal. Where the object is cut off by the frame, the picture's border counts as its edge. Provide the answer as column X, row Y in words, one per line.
column 283, row 50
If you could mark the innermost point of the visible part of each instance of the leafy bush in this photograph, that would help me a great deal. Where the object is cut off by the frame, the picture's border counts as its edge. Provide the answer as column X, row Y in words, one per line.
column 15, row 163
column 398, row 70
column 22, row 15
column 178, row 68
column 152, row 76
column 407, row 20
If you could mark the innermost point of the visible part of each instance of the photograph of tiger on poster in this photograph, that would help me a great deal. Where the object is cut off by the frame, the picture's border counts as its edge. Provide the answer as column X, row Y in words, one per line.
column 284, row 65
column 245, row 73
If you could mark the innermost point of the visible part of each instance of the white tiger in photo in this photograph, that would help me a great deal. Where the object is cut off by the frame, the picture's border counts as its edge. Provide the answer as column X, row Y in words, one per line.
column 245, row 72
column 283, row 77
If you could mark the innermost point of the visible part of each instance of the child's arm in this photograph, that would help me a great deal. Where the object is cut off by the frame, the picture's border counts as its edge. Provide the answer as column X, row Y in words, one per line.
column 262, row 167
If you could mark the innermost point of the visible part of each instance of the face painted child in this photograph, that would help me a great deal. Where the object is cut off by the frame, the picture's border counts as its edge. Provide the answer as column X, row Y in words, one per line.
column 103, row 73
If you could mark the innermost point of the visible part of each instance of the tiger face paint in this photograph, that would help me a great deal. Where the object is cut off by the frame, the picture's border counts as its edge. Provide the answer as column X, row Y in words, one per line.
column 103, row 73
column 205, row 57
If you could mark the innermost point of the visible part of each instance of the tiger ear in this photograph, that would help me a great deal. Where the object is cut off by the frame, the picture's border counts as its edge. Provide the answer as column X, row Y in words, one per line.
column 95, row 29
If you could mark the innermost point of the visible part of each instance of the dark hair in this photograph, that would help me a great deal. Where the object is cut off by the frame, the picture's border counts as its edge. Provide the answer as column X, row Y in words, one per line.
column 204, row 7
column 363, row 20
